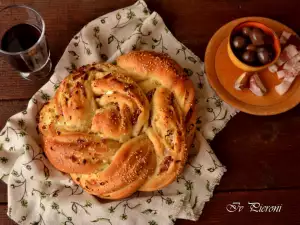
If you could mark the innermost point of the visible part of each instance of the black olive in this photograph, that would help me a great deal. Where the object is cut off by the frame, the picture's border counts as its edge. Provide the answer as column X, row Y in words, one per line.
column 264, row 56
column 251, row 47
column 246, row 31
column 257, row 37
column 249, row 56
column 259, row 49
column 239, row 42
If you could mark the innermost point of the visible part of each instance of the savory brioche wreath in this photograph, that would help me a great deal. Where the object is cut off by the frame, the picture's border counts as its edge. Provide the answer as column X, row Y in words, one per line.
column 118, row 129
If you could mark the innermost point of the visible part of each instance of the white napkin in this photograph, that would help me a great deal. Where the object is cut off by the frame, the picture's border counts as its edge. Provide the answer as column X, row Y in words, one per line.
column 39, row 194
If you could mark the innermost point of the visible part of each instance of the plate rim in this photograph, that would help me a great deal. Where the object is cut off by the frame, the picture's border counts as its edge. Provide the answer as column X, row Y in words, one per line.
column 229, row 98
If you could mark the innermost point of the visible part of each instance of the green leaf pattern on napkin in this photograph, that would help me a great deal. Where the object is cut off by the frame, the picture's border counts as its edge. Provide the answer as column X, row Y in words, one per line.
column 38, row 194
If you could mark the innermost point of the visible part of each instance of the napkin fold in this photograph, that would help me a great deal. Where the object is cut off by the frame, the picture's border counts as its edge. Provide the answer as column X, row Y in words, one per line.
column 39, row 194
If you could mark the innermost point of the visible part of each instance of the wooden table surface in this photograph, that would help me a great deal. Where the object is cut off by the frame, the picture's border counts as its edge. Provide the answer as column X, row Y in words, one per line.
column 261, row 153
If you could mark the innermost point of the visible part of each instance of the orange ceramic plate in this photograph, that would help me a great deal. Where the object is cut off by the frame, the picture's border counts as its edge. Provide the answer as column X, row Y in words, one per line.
column 222, row 74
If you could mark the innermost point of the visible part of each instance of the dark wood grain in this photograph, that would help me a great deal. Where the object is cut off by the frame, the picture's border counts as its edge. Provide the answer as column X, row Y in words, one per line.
column 4, row 220
column 260, row 153
column 3, row 192
column 215, row 212
column 9, row 108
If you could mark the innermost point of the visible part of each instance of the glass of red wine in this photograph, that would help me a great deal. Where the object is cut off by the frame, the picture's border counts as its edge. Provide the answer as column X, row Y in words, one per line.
column 23, row 41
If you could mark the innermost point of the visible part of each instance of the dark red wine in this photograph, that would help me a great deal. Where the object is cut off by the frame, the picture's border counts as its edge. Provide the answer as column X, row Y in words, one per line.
column 20, row 38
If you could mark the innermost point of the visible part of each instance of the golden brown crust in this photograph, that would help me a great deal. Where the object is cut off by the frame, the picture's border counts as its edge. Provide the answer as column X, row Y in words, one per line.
column 131, row 166
column 79, row 152
column 168, row 135
column 119, row 129
column 153, row 66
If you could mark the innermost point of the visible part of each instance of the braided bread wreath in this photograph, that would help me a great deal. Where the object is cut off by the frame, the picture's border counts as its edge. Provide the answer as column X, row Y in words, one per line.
column 120, row 129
